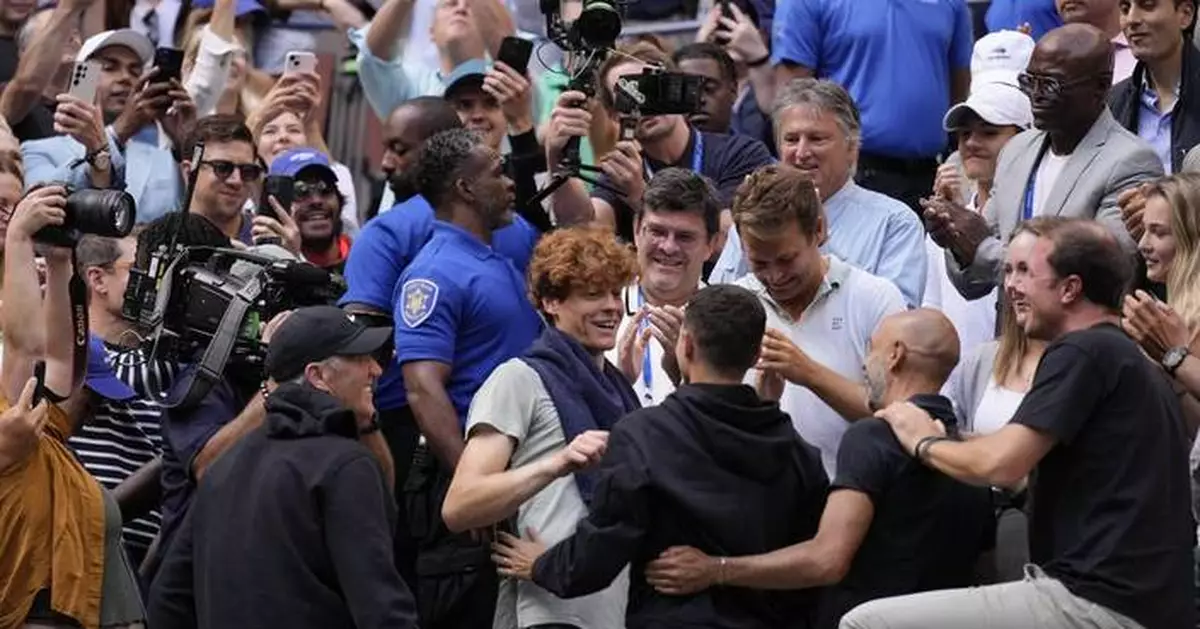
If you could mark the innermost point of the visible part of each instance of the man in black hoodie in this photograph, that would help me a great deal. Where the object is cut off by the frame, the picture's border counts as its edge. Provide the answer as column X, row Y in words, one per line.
column 713, row 467
column 892, row 526
column 293, row 526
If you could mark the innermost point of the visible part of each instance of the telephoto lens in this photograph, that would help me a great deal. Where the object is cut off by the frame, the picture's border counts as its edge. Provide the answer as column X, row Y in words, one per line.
column 109, row 213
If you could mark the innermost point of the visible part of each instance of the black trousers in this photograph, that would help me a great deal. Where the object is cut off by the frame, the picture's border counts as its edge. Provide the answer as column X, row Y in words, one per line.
column 400, row 431
column 456, row 583
column 906, row 180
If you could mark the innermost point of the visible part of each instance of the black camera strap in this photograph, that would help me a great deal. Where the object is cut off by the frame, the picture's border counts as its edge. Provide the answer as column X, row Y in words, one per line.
column 77, row 292
column 212, row 364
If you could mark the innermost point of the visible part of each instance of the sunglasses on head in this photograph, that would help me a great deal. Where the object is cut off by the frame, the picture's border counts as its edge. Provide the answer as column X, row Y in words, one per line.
column 223, row 169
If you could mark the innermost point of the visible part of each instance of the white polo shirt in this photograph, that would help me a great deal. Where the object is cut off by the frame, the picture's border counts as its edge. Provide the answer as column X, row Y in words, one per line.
column 654, row 386
column 834, row 331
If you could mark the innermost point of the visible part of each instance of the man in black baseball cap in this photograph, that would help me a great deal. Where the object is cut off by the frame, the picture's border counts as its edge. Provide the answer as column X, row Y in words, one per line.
column 306, row 494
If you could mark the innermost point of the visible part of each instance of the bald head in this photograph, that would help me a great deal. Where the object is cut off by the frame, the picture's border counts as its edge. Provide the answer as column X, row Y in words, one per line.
column 929, row 339
column 1083, row 47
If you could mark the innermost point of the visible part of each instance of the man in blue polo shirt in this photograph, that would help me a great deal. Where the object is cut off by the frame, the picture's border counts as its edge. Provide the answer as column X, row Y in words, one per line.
column 384, row 248
column 461, row 310
column 904, row 63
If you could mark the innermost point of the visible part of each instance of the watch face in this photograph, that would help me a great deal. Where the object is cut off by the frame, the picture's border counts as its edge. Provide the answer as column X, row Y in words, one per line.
column 101, row 161
column 1173, row 357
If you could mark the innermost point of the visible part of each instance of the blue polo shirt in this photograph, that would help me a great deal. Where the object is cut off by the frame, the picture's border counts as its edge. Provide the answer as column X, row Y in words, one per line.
column 893, row 56
column 1041, row 15
column 462, row 304
column 386, row 246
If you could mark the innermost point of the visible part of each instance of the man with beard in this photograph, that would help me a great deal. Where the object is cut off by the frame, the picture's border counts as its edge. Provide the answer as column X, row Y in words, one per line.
column 88, row 154
column 461, row 310
column 384, row 248
column 229, row 172
column 316, row 207
column 1075, row 163
column 662, row 142
column 891, row 526
column 1102, row 434
column 675, row 232
column 714, row 466
column 814, row 301
column 541, row 421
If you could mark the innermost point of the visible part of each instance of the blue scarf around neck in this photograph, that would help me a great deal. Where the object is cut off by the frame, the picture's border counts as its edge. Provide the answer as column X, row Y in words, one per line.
column 585, row 397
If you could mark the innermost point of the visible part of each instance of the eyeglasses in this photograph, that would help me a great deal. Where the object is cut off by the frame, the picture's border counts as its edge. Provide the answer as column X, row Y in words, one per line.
column 304, row 189
column 1048, row 85
column 223, row 169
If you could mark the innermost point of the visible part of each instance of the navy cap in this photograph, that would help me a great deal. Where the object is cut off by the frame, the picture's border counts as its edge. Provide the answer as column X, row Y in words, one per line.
column 466, row 74
column 316, row 333
column 100, row 375
column 292, row 162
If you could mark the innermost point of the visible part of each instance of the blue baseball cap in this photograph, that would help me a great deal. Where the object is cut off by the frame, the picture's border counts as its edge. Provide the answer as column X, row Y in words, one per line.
column 466, row 74
column 292, row 162
column 100, row 375
column 241, row 9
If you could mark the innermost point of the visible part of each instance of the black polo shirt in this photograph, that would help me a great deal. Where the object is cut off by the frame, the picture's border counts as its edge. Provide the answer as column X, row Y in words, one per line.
column 725, row 159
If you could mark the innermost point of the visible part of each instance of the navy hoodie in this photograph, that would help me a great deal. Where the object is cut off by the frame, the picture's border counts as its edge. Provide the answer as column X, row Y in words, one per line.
column 713, row 467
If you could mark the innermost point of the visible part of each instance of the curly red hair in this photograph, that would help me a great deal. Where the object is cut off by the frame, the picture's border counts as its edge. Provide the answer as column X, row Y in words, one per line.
column 579, row 258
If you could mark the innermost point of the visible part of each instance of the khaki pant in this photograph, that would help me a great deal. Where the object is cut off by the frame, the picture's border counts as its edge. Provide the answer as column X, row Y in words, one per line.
column 1038, row 601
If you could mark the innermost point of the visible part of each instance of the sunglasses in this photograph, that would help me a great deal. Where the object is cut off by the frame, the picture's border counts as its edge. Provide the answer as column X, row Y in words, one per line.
column 1048, row 85
column 305, row 189
column 223, row 169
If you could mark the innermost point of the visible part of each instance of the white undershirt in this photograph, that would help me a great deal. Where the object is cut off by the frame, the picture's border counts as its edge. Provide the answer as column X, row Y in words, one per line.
column 1048, row 171
column 996, row 408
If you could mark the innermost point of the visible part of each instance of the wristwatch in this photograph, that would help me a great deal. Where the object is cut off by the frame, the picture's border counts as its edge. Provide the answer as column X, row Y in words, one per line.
column 99, row 159
column 1173, row 358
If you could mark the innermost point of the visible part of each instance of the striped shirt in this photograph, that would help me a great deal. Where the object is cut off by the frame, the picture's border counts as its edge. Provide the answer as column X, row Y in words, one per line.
column 121, row 437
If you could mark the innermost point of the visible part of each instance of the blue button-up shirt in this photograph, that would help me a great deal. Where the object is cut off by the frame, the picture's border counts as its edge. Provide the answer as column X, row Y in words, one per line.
column 871, row 231
column 1154, row 125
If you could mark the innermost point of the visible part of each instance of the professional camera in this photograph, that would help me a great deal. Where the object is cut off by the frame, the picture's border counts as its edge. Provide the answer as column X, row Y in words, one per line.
column 597, row 27
column 108, row 213
column 656, row 92
column 210, row 305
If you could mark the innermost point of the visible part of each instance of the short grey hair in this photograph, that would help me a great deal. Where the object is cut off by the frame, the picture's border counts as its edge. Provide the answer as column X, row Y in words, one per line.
column 822, row 95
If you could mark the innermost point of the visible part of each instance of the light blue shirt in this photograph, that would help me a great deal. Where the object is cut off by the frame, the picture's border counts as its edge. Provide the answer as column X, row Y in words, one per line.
column 871, row 231
column 389, row 82
column 146, row 172
column 877, row 49
column 1154, row 126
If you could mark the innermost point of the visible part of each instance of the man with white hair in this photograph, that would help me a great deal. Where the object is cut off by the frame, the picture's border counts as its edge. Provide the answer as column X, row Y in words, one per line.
column 995, row 111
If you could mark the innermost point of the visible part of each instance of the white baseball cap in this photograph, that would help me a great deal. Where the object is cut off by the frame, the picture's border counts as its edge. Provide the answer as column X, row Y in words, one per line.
column 127, row 37
column 1000, row 56
column 998, row 103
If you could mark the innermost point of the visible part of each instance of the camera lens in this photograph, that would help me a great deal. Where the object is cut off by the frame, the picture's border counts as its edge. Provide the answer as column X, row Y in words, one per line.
column 599, row 24
column 110, row 213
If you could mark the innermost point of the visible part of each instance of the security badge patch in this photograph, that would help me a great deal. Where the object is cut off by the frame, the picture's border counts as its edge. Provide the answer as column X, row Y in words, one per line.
column 419, row 296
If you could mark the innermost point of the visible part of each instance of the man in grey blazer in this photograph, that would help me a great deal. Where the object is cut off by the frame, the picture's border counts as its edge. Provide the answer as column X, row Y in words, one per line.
column 1074, row 163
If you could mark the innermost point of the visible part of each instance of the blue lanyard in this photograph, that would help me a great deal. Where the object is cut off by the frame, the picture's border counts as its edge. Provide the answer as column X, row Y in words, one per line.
column 1027, row 210
column 697, row 159
column 647, row 370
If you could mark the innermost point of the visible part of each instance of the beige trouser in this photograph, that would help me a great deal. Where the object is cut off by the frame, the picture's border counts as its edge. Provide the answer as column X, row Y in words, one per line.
column 1038, row 601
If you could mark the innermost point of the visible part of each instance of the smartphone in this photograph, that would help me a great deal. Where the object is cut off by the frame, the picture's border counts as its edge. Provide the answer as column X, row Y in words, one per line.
column 299, row 61
column 283, row 188
column 39, row 389
column 515, row 53
column 85, row 78
column 169, row 62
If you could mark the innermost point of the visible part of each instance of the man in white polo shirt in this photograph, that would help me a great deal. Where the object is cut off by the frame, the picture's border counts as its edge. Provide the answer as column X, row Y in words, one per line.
column 821, row 311
column 675, row 231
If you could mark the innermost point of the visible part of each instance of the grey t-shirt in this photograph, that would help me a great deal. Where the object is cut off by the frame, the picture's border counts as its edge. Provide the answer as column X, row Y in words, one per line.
column 514, row 401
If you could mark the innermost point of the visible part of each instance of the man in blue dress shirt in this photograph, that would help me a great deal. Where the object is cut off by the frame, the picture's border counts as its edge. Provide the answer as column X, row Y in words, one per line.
column 461, row 310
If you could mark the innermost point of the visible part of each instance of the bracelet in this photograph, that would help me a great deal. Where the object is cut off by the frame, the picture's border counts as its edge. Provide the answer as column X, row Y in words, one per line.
column 721, row 570
column 923, row 445
column 757, row 63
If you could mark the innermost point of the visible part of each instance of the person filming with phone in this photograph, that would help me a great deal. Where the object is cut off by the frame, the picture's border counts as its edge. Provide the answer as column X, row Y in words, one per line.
column 308, row 220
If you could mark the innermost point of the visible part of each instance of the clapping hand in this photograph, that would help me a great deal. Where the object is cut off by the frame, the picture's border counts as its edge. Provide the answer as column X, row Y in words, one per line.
column 1156, row 326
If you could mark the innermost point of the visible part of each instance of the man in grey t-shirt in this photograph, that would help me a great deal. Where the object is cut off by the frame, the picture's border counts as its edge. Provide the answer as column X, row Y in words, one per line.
column 541, row 421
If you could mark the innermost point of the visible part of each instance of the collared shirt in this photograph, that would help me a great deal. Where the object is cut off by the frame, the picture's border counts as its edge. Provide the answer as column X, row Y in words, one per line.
column 462, row 304
column 655, row 388
column 385, row 248
column 1123, row 59
column 874, row 48
column 879, row 235
column 871, row 231
column 1154, row 125
column 833, row 331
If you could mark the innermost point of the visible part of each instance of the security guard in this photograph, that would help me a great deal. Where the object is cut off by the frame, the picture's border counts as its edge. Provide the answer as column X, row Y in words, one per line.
column 461, row 310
